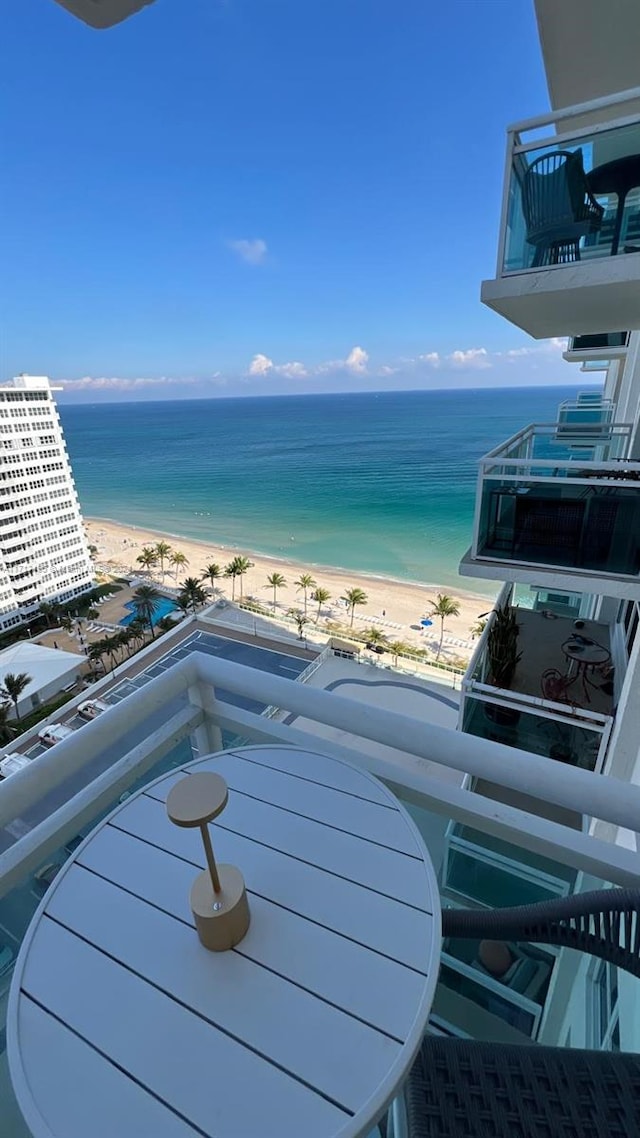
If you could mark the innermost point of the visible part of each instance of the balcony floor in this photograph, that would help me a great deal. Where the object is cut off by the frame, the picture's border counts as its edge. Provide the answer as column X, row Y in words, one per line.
column 540, row 642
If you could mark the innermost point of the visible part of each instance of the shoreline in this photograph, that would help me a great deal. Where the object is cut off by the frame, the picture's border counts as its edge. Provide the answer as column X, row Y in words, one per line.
column 294, row 562
column 394, row 604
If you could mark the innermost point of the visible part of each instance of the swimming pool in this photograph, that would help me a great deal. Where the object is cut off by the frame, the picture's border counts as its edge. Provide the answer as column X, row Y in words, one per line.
column 165, row 606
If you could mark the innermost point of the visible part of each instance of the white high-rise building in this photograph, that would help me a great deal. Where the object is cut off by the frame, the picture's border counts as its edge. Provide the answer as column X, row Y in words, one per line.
column 43, row 549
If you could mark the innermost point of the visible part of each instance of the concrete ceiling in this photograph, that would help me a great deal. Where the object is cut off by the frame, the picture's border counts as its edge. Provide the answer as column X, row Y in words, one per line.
column 103, row 13
column 590, row 48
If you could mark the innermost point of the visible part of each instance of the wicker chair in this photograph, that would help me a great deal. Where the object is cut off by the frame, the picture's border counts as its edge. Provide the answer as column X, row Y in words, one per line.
column 469, row 1089
column 558, row 207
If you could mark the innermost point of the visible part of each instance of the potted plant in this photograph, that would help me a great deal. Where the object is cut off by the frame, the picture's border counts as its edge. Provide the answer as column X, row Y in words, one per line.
column 502, row 658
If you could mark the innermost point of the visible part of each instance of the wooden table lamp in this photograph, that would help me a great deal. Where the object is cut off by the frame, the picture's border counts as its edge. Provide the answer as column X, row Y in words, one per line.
column 218, row 897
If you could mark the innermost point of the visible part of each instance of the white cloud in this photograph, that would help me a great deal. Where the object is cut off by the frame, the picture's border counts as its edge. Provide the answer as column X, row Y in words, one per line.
column 118, row 383
column 433, row 359
column 470, row 358
column 294, row 370
column 357, row 360
column 253, row 251
column 260, row 365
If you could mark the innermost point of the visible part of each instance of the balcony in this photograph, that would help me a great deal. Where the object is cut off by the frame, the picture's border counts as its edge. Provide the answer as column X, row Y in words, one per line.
column 558, row 502
column 486, row 854
column 567, row 718
column 599, row 348
column 569, row 246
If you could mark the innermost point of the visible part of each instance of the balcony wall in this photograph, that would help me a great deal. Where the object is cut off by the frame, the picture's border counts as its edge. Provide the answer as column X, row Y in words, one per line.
column 569, row 246
column 576, row 508
column 575, row 732
column 489, row 849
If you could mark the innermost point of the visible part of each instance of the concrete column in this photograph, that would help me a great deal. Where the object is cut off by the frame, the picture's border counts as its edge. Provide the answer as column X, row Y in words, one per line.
column 208, row 736
column 629, row 393
column 624, row 745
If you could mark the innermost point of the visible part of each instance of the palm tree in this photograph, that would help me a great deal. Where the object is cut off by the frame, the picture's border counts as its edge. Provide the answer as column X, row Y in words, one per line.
column 146, row 602
column 178, row 560
column 478, row 628
column 148, row 559
column 444, row 606
column 398, row 648
column 375, row 636
column 47, row 611
column 305, row 581
column 300, row 620
column 353, row 598
column 162, row 550
column 67, row 624
column 275, row 581
column 192, row 592
column 231, row 570
column 212, row 574
column 6, row 730
column 321, row 595
column 138, row 630
column 14, row 685
column 97, row 650
column 243, row 565
column 111, row 646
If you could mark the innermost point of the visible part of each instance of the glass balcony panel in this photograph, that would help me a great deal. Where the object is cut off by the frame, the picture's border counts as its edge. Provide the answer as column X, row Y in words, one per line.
column 565, row 742
column 583, row 525
column 489, row 1000
column 573, row 199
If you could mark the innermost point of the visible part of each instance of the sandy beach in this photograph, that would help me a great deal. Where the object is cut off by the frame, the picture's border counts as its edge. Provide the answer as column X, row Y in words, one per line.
column 393, row 601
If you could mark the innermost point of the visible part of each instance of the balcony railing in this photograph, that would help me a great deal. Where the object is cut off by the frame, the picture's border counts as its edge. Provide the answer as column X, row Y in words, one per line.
column 46, row 807
column 573, row 194
column 523, row 715
column 550, row 500
column 569, row 243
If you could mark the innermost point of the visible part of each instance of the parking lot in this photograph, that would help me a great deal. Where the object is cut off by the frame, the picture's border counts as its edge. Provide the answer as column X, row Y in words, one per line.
column 252, row 655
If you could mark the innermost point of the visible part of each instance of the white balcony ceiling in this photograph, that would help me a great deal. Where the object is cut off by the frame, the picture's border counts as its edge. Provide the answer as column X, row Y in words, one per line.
column 586, row 297
column 590, row 49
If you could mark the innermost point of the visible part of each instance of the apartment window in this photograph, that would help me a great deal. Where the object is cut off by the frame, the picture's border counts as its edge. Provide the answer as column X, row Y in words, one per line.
column 605, row 1018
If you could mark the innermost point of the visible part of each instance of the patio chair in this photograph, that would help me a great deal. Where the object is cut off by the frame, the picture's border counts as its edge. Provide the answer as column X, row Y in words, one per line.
column 559, row 208
column 555, row 685
column 462, row 1088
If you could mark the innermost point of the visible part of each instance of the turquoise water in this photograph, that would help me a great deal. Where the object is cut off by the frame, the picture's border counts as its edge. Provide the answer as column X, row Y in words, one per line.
column 164, row 607
column 383, row 483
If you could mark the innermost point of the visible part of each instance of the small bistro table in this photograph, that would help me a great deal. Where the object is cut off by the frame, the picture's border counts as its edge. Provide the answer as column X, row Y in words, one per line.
column 122, row 1025
column 584, row 656
column 619, row 177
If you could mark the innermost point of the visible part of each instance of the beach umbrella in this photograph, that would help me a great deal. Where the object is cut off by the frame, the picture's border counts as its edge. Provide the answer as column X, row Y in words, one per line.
column 426, row 623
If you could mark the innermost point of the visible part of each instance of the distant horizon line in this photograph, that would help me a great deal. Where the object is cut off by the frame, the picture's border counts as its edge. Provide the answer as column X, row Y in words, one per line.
column 328, row 394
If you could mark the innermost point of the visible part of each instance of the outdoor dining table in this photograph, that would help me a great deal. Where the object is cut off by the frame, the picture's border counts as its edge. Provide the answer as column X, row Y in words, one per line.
column 584, row 654
column 121, row 1024
column 619, row 177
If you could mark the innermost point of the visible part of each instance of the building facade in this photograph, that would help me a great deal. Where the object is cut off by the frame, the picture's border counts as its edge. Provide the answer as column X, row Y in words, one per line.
column 44, row 555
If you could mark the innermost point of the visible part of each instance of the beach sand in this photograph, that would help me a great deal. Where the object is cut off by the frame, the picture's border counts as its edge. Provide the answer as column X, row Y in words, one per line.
column 394, row 601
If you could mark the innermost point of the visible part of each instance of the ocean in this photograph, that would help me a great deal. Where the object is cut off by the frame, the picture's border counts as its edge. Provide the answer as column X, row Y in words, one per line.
column 383, row 483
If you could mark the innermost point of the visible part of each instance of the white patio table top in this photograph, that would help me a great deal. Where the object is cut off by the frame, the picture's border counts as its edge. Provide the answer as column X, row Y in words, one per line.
column 122, row 1025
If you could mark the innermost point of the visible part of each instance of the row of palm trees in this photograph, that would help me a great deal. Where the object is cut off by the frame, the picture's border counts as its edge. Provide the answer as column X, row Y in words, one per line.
column 192, row 594
column 159, row 554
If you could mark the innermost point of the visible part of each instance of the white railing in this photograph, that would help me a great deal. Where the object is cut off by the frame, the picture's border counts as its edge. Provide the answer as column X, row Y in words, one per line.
column 474, row 685
column 409, row 772
column 623, row 114
column 518, row 451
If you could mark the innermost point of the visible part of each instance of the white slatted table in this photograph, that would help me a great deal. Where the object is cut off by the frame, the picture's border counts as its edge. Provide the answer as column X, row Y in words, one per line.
column 121, row 1025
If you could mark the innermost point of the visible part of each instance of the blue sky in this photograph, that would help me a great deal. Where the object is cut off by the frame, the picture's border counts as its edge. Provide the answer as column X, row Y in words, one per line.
column 240, row 196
